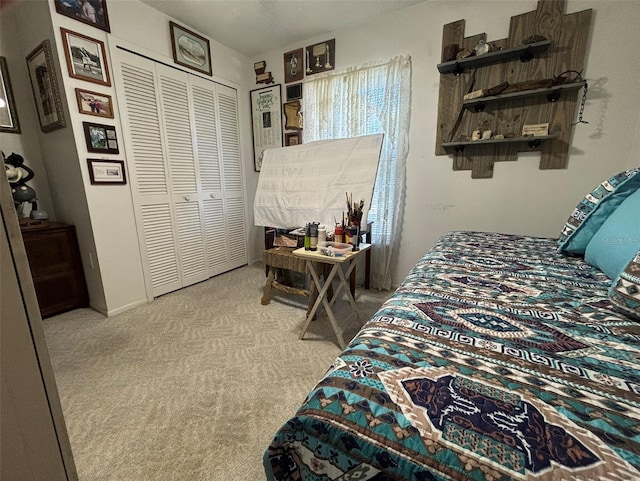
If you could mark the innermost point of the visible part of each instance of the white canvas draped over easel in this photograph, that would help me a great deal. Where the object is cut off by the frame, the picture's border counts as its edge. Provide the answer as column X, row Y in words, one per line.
column 307, row 183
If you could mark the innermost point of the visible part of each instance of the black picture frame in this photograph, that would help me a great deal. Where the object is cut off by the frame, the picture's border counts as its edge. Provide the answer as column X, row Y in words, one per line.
column 321, row 57
column 9, row 122
column 100, row 138
column 107, row 172
column 294, row 91
column 293, row 65
column 266, row 117
column 292, row 138
column 91, row 12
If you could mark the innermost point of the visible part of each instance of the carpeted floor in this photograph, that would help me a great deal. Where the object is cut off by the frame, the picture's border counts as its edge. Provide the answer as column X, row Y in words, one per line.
column 192, row 386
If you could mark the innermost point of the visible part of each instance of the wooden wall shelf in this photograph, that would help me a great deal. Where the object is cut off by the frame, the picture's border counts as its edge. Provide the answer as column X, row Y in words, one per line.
column 563, row 50
column 533, row 142
column 523, row 52
column 477, row 105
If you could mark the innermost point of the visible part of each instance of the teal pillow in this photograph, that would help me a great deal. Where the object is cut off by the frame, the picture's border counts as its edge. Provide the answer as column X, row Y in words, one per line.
column 624, row 293
column 618, row 239
column 594, row 209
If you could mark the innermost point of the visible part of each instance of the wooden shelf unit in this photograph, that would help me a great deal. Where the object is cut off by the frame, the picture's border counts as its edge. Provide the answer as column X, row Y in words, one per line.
column 563, row 50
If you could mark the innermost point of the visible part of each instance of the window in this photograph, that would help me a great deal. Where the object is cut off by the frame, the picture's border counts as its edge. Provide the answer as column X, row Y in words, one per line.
column 361, row 101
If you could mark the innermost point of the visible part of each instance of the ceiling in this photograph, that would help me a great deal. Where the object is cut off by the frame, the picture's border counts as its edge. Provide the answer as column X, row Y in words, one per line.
column 253, row 27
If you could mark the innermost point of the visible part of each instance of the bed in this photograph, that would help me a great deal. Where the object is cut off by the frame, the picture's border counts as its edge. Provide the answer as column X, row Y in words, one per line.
column 497, row 358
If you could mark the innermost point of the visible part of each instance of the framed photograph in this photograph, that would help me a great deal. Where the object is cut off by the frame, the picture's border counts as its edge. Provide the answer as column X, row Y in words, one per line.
column 86, row 58
column 107, row 171
column 45, row 88
column 100, row 138
column 292, row 138
column 94, row 103
column 321, row 57
column 266, row 117
column 8, row 114
column 293, row 115
column 91, row 12
column 190, row 49
column 294, row 92
column 293, row 66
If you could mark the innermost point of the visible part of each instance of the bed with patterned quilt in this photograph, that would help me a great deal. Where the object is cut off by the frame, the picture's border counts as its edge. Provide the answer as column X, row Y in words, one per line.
column 500, row 357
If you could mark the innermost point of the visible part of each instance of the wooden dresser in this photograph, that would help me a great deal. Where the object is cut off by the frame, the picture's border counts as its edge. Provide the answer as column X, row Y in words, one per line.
column 56, row 268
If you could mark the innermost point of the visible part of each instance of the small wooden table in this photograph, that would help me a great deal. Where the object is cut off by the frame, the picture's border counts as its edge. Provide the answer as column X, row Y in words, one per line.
column 315, row 257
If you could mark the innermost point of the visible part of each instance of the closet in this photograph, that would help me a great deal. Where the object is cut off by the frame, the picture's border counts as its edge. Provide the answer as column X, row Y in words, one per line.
column 184, row 166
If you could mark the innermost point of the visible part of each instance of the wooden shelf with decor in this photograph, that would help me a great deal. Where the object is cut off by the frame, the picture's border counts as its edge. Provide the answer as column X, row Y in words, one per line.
column 524, row 53
column 562, row 50
column 552, row 94
column 532, row 141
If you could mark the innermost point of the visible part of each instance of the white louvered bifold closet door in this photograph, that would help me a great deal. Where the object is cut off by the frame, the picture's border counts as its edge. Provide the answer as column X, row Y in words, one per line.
column 148, row 170
column 232, row 176
column 177, row 122
column 186, row 173
column 208, row 151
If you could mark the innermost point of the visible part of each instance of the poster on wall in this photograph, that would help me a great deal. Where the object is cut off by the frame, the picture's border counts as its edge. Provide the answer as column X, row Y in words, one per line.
column 266, row 116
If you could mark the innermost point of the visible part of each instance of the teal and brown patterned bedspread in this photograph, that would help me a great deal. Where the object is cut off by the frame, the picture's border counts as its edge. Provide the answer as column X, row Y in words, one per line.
column 496, row 359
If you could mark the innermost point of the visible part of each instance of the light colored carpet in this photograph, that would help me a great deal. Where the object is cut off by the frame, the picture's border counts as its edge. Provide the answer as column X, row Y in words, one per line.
column 193, row 385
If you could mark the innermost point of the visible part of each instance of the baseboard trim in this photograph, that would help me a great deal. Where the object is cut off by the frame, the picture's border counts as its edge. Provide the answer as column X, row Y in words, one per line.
column 121, row 309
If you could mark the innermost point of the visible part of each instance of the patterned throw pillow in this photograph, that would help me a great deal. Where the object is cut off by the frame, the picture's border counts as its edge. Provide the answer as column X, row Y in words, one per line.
column 625, row 290
column 593, row 210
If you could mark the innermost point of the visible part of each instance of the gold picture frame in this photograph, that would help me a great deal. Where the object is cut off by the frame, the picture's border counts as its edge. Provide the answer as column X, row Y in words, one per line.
column 44, row 86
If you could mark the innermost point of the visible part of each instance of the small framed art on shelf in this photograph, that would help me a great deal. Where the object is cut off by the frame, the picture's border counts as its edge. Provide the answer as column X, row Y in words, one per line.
column 100, row 138
column 86, row 58
column 103, row 171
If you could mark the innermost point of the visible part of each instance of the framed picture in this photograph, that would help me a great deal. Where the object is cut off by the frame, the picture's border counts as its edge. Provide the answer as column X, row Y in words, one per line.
column 190, row 49
column 321, row 57
column 45, row 88
column 107, row 171
column 94, row 103
column 86, row 58
column 266, row 117
column 91, row 12
column 8, row 113
column 292, row 138
column 293, row 115
column 100, row 138
column 294, row 92
column 293, row 66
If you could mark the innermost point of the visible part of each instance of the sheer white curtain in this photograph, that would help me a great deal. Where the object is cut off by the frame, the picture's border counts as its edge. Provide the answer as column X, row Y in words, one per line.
column 367, row 100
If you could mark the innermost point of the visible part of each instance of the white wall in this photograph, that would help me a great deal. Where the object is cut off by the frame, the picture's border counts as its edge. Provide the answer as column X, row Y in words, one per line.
column 27, row 144
column 520, row 198
column 29, row 23
column 103, row 215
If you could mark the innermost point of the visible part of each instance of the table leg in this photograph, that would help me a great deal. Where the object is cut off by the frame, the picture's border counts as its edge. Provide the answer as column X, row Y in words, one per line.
column 322, row 292
column 367, row 261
